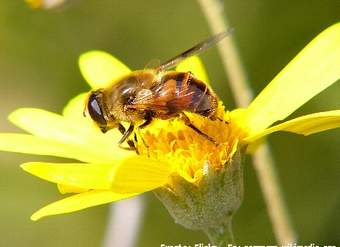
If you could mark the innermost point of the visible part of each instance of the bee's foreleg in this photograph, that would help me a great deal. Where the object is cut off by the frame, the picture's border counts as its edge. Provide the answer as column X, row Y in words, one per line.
column 132, row 146
column 121, row 128
column 126, row 134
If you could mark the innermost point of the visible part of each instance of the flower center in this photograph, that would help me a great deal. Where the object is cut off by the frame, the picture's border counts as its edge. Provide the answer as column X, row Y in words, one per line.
column 187, row 149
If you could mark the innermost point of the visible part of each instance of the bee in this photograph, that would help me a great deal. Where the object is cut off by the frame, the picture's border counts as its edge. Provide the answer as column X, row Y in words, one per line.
column 144, row 95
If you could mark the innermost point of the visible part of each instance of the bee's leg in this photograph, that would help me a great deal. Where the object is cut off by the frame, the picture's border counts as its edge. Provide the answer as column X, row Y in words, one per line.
column 131, row 144
column 188, row 123
column 121, row 128
column 126, row 134
column 219, row 119
column 148, row 120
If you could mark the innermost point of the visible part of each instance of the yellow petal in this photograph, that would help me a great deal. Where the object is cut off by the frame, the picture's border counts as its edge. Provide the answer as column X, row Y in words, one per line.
column 134, row 174
column 100, row 68
column 74, row 112
column 75, row 107
column 86, row 176
column 79, row 202
column 64, row 189
column 52, row 126
column 138, row 174
column 35, row 4
column 48, row 125
column 28, row 144
column 314, row 69
column 194, row 65
column 305, row 125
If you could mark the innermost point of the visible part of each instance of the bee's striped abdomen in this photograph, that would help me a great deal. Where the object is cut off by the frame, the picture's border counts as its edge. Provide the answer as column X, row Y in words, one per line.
column 189, row 94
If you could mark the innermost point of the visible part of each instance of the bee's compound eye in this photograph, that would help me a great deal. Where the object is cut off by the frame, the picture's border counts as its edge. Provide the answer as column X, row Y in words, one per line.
column 95, row 110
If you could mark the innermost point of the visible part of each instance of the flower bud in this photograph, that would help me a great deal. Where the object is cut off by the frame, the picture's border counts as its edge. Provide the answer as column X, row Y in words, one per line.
column 210, row 204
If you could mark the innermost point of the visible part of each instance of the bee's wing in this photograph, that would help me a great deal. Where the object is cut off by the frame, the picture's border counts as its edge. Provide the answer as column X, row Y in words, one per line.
column 152, row 64
column 163, row 97
column 197, row 49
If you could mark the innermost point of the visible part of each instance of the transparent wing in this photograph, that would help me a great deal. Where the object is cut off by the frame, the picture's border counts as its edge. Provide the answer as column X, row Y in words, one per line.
column 163, row 97
column 197, row 49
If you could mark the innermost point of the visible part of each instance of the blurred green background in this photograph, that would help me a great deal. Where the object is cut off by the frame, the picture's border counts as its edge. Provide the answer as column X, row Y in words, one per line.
column 38, row 68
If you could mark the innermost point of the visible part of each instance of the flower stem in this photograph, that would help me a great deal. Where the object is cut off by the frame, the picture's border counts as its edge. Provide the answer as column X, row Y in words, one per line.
column 267, row 176
column 124, row 222
column 221, row 236
column 263, row 161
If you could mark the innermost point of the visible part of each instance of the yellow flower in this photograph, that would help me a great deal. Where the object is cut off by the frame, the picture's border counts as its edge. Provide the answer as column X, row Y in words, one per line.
column 44, row 4
column 168, row 149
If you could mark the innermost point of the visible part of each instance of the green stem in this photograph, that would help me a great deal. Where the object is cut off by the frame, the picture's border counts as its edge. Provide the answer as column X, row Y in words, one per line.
column 263, row 162
column 221, row 236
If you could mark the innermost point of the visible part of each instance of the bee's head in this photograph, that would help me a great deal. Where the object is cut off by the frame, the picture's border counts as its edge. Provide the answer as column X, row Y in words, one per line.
column 97, row 110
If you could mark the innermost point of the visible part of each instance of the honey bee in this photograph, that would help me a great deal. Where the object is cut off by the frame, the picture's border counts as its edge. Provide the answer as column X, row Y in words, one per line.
column 154, row 93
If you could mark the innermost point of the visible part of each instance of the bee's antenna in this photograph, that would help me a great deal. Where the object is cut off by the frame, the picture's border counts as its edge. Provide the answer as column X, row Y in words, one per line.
column 197, row 49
